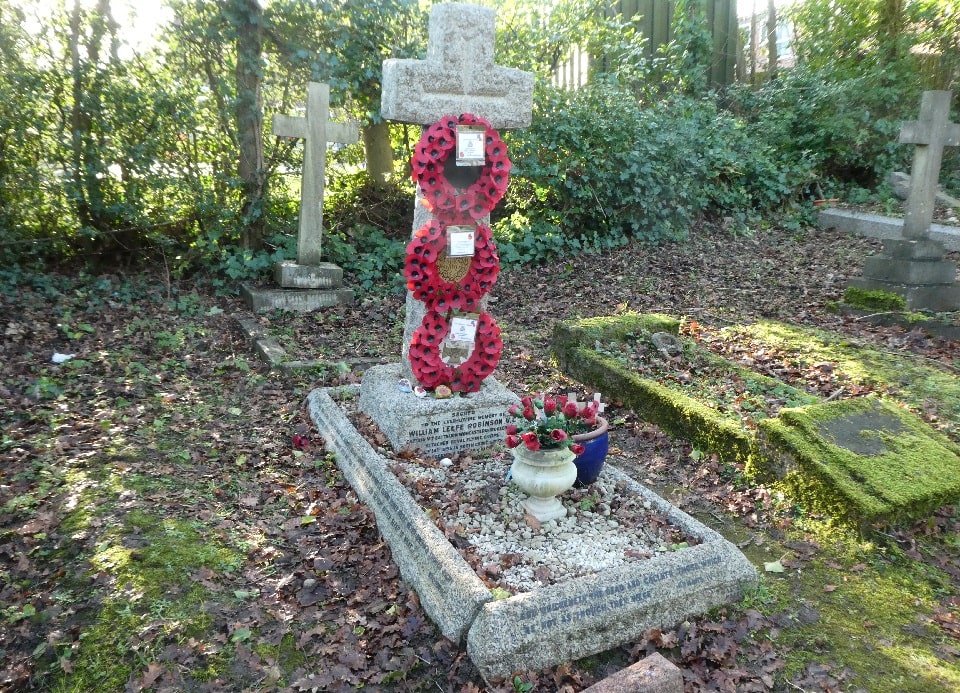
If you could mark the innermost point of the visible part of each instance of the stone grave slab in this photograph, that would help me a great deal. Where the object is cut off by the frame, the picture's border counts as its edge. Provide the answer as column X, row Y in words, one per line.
column 862, row 459
column 562, row 622
column 883, row 227
column 438, row 427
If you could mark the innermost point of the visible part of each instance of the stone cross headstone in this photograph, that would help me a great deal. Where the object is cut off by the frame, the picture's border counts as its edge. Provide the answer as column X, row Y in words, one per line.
column 316, row 131
column 914, row 266
column 458, row 76
column 308, row 283
column 931, row 133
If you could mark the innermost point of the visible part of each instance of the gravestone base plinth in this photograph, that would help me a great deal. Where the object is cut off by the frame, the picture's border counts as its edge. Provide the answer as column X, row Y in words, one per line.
column 916, row 270
column 293, row 275
column 303, row 288
column 437, row 427
column 300, row 300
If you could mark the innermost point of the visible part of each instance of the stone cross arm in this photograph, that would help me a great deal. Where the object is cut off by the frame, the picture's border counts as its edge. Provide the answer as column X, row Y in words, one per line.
column 458, row 75
column 296, row 126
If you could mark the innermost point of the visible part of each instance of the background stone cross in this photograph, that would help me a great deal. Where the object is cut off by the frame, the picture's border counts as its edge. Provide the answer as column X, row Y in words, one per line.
column 316, row 131
column 931, row 133
column 459, row 75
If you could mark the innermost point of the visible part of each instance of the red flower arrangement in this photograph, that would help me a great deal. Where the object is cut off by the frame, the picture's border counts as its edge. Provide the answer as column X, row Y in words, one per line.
column 423, row 276
column 440, row 196
column 430, row 370
column 550, row 423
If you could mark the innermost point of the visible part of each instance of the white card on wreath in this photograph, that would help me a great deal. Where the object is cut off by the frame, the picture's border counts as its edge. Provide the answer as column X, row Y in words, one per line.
column 460, row 241
column 471, row 140
column 463, row 329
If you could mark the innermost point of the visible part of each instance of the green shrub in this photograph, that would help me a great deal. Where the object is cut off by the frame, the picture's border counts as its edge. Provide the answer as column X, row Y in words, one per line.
column 844, row 129
column 596, row 168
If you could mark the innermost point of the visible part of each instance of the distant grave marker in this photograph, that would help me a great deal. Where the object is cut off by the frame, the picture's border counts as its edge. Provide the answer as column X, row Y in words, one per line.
column 316, row 130
column 914, row 265
column 309, row 283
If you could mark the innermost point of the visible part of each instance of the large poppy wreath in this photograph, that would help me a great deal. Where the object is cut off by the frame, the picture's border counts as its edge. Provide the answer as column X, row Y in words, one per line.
column 440, row 196
column 430, row 370
column 424, row 278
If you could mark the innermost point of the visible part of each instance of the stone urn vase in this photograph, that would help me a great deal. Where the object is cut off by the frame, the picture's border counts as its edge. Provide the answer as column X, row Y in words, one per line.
column 596, row 443
column 543, row 475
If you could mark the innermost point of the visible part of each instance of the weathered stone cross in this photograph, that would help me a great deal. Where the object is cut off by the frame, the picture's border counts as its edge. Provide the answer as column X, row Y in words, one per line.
column 316, row 131
column 931, row 133
column 458, row 76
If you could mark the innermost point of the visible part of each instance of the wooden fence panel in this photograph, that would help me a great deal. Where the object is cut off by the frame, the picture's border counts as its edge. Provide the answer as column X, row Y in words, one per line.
column 656, row 24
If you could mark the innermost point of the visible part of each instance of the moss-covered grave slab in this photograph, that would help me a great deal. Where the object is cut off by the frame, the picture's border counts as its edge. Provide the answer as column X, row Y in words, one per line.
column 576, row 344
column 862, row 459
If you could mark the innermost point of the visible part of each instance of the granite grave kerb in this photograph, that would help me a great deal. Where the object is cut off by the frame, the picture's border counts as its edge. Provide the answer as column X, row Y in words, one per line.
column 557, row 623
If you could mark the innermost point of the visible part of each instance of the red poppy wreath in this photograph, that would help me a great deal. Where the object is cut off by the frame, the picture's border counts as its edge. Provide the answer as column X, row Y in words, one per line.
column 430, row 370
column 440, row 196
column 423, row 274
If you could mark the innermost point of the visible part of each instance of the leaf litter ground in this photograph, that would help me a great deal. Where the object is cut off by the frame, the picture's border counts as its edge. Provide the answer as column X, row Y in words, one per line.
column 170, row 519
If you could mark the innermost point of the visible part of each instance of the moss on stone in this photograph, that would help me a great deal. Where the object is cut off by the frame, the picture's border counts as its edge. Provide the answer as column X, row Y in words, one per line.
column 882, row 475
column 568, row 336
column 921, row 385
column 874, row 299
column 674, row 412
column 912, row 469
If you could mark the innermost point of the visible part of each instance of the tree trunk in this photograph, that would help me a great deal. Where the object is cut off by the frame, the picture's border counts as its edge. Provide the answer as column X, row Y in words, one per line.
column 890, row 24
column 248, row 18
column 378, row 151
column 772, row 39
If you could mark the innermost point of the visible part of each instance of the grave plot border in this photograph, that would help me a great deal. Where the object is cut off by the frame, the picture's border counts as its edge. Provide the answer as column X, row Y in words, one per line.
column 566, row 621
column 786, row 450
column 673, row 411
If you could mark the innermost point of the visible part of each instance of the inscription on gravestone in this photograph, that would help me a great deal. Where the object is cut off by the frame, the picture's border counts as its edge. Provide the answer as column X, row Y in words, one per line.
column 612, row 597
column 471, row 429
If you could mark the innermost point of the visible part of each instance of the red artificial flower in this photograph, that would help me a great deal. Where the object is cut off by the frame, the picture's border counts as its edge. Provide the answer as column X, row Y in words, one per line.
column 513, row 441
column 558, row 434
column 531, row 441
column 570, row 409
column 549, row 406
column 529, row 414
column 578, row 448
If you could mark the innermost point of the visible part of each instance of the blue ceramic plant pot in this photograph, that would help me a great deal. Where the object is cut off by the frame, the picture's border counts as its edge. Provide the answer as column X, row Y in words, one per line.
column 596, row 442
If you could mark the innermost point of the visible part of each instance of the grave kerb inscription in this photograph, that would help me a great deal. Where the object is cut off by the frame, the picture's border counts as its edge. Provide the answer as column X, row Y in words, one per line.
column 612, row 597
